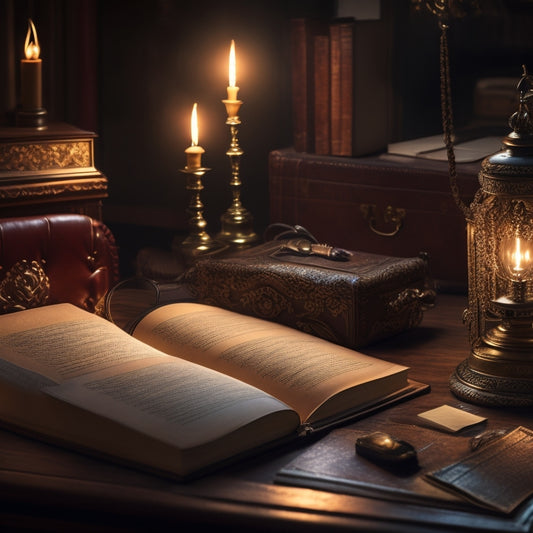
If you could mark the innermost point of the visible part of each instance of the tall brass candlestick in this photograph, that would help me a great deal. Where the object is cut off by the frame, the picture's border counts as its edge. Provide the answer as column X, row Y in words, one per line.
column 236, row 222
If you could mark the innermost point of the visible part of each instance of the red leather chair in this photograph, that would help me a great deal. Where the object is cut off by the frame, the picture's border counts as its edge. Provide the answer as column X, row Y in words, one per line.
column 55, row 258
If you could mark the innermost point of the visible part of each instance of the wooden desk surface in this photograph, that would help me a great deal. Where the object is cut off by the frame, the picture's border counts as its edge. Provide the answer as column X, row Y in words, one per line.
column 46, row 488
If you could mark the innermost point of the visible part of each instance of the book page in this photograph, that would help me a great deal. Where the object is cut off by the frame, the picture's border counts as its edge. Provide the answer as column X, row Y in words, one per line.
column 415, row 147
column 467, row 152
column 60, row 352
column 62, row 341
column 174, row 401
column 433, row 147
column 301, row 370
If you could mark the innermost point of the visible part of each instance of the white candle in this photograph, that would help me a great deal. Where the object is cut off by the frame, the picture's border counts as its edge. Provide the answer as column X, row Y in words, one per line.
column 232, row 88
column 194, row 152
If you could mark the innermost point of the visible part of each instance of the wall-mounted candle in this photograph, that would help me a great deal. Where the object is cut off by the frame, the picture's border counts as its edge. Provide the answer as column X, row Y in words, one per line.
column 31, row 72
column 194, row 152
column 232, row 89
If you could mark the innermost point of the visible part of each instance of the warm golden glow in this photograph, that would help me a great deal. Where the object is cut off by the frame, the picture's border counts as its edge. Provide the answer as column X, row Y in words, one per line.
column 516, row 258
column 519, row 257
column 31, row 45
column 232, row 66
column 194, row 126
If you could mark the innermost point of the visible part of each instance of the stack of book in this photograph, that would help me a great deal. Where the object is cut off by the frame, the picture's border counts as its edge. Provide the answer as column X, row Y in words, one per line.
column 341, row 86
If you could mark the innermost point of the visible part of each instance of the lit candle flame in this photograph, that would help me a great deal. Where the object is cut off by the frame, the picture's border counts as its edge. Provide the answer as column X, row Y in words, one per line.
column 31, row 45
column 232, row 75
column 519, row 256
column 194, row 126
column 194, row 152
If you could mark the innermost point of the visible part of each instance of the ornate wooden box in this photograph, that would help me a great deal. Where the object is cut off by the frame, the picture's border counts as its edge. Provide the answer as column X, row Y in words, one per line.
column 353, row 303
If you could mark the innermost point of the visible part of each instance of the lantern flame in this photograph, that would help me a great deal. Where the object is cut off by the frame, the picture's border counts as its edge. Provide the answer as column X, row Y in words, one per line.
column 194, row 126
column 31, row 45
column 518, row 257
column 232, row 69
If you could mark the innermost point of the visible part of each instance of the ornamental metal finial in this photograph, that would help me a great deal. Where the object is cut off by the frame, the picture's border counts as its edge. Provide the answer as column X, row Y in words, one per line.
column 520, row 121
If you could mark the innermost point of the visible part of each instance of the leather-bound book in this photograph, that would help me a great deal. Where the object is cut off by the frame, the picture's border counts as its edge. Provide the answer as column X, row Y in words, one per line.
column 361, row 105
column 302, row 32
column 322, row 94
column 336, row 102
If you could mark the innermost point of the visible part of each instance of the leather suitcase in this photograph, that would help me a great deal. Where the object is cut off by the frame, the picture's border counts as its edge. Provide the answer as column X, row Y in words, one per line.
column 355, row 302
column 391, row 205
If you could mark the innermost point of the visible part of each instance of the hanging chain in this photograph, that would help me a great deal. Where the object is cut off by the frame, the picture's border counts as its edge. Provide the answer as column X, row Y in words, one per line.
column 447, row 116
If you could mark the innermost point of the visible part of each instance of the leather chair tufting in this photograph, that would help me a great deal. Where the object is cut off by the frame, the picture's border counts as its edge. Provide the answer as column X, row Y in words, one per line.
column 55, row 258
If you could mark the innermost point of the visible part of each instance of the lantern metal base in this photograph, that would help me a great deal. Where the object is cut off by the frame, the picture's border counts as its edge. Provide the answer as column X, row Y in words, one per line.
column 499, row 371
column 481, row 388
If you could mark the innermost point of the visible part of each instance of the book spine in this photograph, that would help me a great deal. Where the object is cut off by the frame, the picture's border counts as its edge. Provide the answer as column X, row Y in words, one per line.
column 371, row 86
column 322, row 94
column 346, row 37
column 336, row 101
column 301, row 42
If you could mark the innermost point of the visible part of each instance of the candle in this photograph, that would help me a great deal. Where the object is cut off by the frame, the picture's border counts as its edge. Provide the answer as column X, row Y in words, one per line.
column 232, row 89
column 194, row 152
column 31, row 72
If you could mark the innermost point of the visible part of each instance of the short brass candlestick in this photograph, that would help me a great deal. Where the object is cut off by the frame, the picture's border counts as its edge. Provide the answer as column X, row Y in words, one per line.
column 236, row 222
column 198, row 241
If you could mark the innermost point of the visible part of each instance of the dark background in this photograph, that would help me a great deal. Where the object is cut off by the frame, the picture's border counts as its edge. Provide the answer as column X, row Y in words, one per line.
column 131, row 70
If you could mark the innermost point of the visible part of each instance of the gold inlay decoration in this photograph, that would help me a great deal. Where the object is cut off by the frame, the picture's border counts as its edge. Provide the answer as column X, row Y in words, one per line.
column 45, row 156
column 52, row 189
column 25, row 285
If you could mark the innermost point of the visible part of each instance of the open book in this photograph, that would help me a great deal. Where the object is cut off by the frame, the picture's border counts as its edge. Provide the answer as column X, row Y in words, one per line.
column 194, row 385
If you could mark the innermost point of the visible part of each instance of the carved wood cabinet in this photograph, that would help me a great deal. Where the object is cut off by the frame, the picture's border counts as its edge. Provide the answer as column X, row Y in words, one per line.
column 49, row 171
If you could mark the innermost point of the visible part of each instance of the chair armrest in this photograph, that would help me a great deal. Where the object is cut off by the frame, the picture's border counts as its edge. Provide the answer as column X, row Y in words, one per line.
column 55, row 258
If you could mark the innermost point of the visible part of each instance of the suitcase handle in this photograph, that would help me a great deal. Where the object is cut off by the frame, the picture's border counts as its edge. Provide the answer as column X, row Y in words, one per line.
column 391, row 215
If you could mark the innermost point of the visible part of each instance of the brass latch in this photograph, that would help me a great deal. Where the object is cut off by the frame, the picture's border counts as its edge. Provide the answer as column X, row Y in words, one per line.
column 391, row 215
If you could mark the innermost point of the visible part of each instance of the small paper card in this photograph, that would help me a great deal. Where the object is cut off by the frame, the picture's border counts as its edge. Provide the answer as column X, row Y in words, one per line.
column 450, row 418
column 498, row 476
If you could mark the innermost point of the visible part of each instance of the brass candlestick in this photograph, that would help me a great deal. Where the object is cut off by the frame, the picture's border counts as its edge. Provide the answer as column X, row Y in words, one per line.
column 236, row 222
column 198, row 241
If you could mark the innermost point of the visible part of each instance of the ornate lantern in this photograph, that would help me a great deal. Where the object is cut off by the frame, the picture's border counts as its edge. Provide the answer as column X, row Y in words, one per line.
column 499, row 223
column 499, row 370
